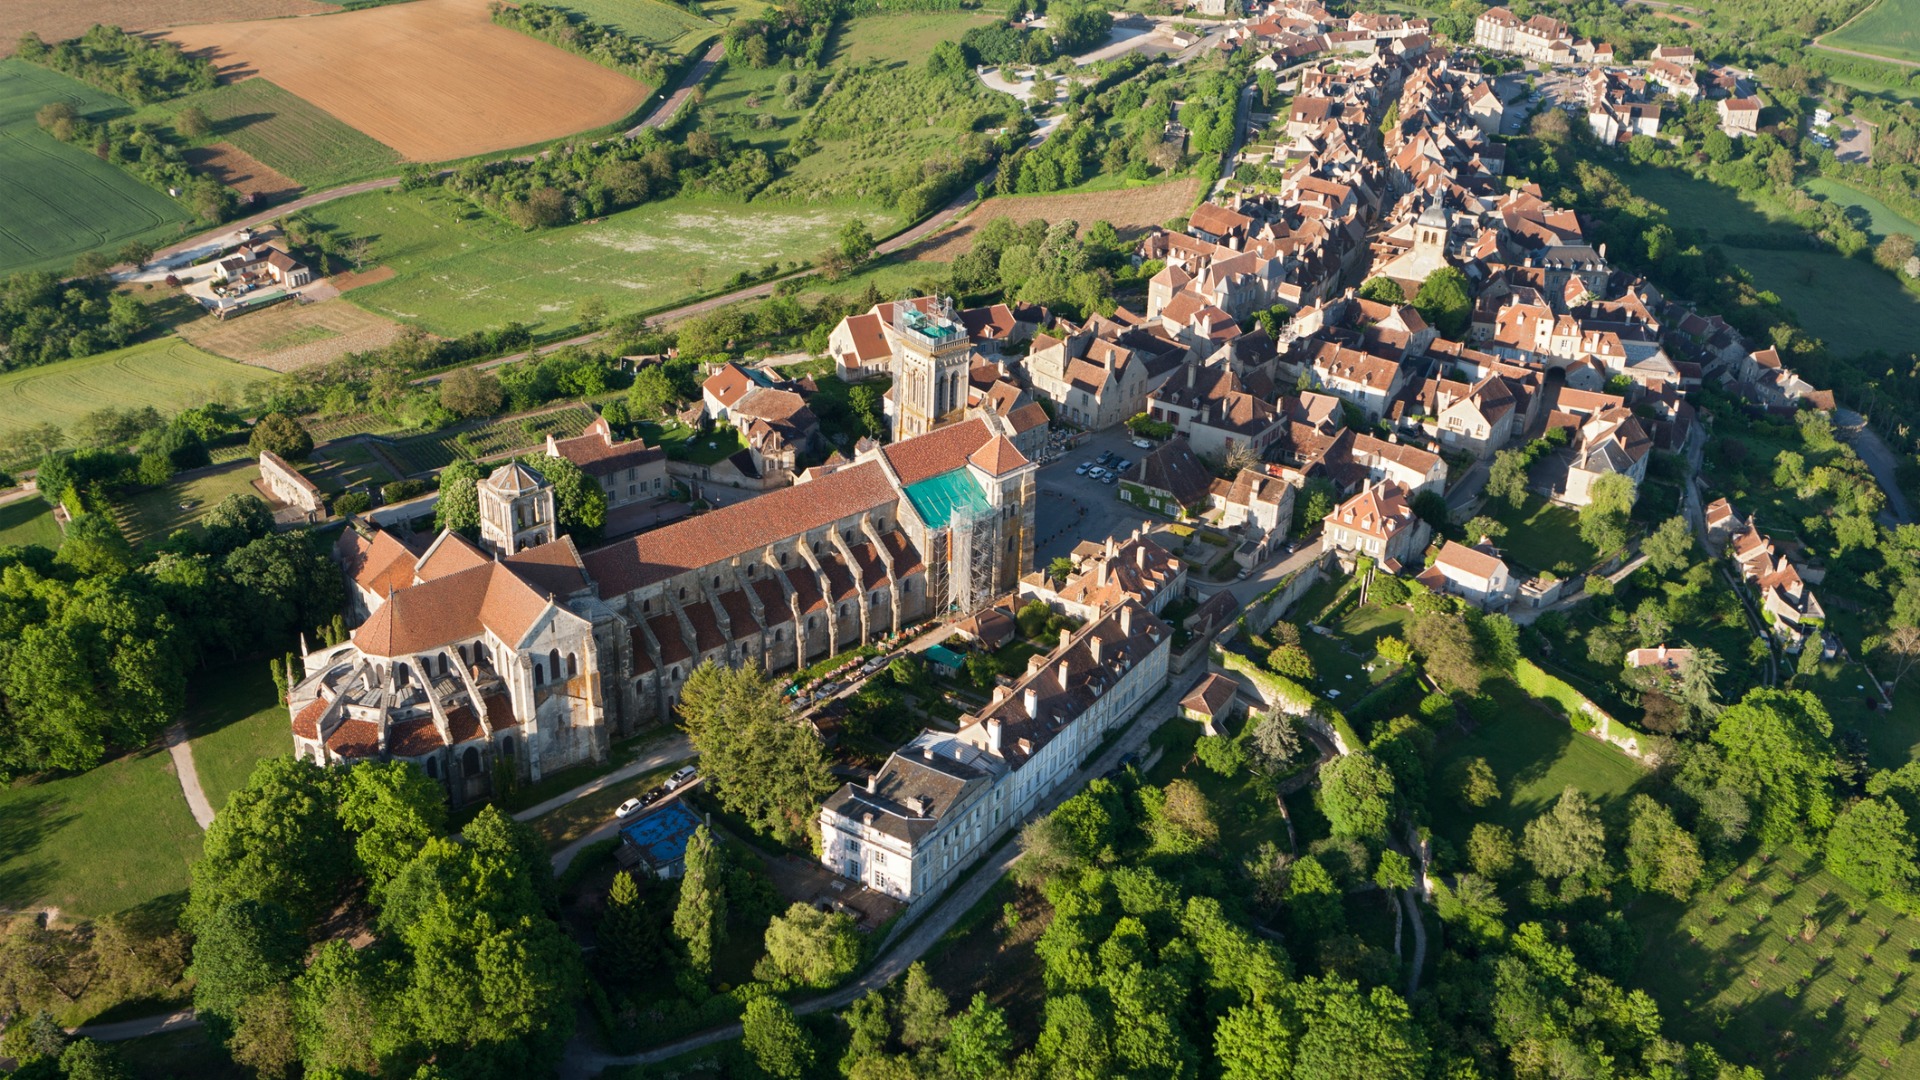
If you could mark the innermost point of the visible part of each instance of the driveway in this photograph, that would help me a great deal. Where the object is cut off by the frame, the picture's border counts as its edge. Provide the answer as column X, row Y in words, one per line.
column 1880, row 459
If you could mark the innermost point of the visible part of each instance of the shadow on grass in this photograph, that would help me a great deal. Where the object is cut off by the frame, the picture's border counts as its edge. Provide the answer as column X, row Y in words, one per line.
column 27, row 821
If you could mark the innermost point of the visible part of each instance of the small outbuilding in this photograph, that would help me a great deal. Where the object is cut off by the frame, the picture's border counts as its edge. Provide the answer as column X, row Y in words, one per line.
column 1211, row 702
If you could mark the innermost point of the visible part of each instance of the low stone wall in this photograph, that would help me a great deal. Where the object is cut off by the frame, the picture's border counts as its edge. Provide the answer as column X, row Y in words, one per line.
column 290, row 487
column 1270, row 607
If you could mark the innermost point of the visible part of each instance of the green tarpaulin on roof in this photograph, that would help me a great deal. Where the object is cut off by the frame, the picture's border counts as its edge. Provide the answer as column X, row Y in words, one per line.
column 936, row 498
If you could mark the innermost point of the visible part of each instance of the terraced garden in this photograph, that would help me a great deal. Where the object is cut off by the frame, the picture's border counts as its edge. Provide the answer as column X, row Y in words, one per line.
column 437, row 450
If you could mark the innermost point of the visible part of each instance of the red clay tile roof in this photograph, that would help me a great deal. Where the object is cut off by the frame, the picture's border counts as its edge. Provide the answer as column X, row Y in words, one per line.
column 806, row 589
column 839, row 578
column 355, row 738
column 998, row 457
column 938, row 451
column 414, row 738
column 869, row 339
column 463, row 722
column 706, row 627
column 552, row 569
column 499, row 710
column 598, row 455
column 739, row 612
column 735, row 530
column 1027, row 417
column 642, row 660
column 375, row 563
column 906, row 557
column 307, row 724
column 666, row 630
column 454, row 607
column 773, row 602
column 449, row 554
column 728, row 385
column 873, row 573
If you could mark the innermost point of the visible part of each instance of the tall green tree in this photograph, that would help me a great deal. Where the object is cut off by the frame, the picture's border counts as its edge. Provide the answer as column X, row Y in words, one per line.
column 1871, row 847
column 459, row 505
column 1778, row 755
column 242, row 951
column 775, row 1042
column 979, row 1045
column 1567, row 841
column 757, row 762
column 1357, row 795
column 812, row 947
column 1445, row 301
column 579, row 500
column 277, row 841
column 392, row 809
column 1661, row 856
column 700, row 921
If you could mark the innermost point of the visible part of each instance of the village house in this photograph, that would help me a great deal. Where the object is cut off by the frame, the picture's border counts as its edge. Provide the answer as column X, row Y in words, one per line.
column 1214, row 410
column 1170, row 479
column 629, row 472
column 1740, row 116
column 1136, row 568
column 1379, row 523
column 942, row 799
column 1476, row 573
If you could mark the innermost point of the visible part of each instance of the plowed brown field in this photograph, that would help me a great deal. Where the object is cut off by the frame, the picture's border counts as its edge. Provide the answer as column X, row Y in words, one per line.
column 434, row 79
column 241, row 171
column 1130, row 210
column 56, row 20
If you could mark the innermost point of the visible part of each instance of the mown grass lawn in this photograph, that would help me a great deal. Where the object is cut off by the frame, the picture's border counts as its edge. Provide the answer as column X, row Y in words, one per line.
column 29, row 522
column 103, row 841
column 905, row 38
column 180, row 504
column 1888, row 28
column 1542, row 536
column 1734, row 968
column 233, row 724
column 1536, row 755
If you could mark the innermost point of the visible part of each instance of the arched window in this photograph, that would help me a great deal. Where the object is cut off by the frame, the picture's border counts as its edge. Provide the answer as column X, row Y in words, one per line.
column 433, row 768
column 572, row 666
column 506, row 746
column 464, row 661
column 683, row 592
column 470, row 762
column 539, row 674
column 716, row 581
column 553, row 664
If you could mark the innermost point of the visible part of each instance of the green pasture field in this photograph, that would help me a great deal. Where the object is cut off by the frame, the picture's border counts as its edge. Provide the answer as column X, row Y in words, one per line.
column 29, row 522
column 458, row 270
column 1888, row 28
column 1737, row 968
column 234, row 723
column 166, row 373
column 1882, row 220
column 906, row 38
column 1535, row 754
column 57, row 201
column 99, row 842
column 288, row 134
column 1851, row 304
column 662, row 25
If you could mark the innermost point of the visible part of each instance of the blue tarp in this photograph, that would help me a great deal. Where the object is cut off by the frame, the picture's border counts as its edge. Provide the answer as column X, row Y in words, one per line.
column 661, row 835
column 945, row 657
column 937, row 497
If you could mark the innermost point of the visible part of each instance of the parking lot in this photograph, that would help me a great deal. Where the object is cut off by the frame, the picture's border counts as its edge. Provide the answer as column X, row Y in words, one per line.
column 1074, row 507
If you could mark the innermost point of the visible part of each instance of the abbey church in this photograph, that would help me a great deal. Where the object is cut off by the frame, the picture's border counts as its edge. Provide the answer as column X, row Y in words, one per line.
column 525, row 654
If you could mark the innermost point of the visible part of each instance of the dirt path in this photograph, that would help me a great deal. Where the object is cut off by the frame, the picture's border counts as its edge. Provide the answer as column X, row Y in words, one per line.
column 136, row 1029
column 182, row 755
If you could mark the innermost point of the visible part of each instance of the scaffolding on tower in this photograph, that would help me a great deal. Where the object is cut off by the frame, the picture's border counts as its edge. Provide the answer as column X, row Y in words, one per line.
column 973, row 548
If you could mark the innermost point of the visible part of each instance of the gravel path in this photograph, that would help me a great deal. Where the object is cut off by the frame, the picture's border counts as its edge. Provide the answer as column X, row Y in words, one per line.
column 182, row 756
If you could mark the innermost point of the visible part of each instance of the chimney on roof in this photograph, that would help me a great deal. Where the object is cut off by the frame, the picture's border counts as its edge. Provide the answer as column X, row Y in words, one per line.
column 927, row 752
column 1000, row 693
column 1064, row 674
column 873, row 782
column 1031, row 699
column 1098, row 647
column 993, row 735
column 1140, row 555
column 1126, row 620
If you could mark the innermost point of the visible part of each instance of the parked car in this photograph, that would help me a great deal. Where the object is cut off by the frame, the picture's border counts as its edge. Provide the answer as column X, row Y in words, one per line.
column 1109, row 478
column 1143, row 444
column 1123, row 465
column 1096, row 473
column 1084, row 467
column 1106, row 457
column 681, row 778
column 628, row 809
